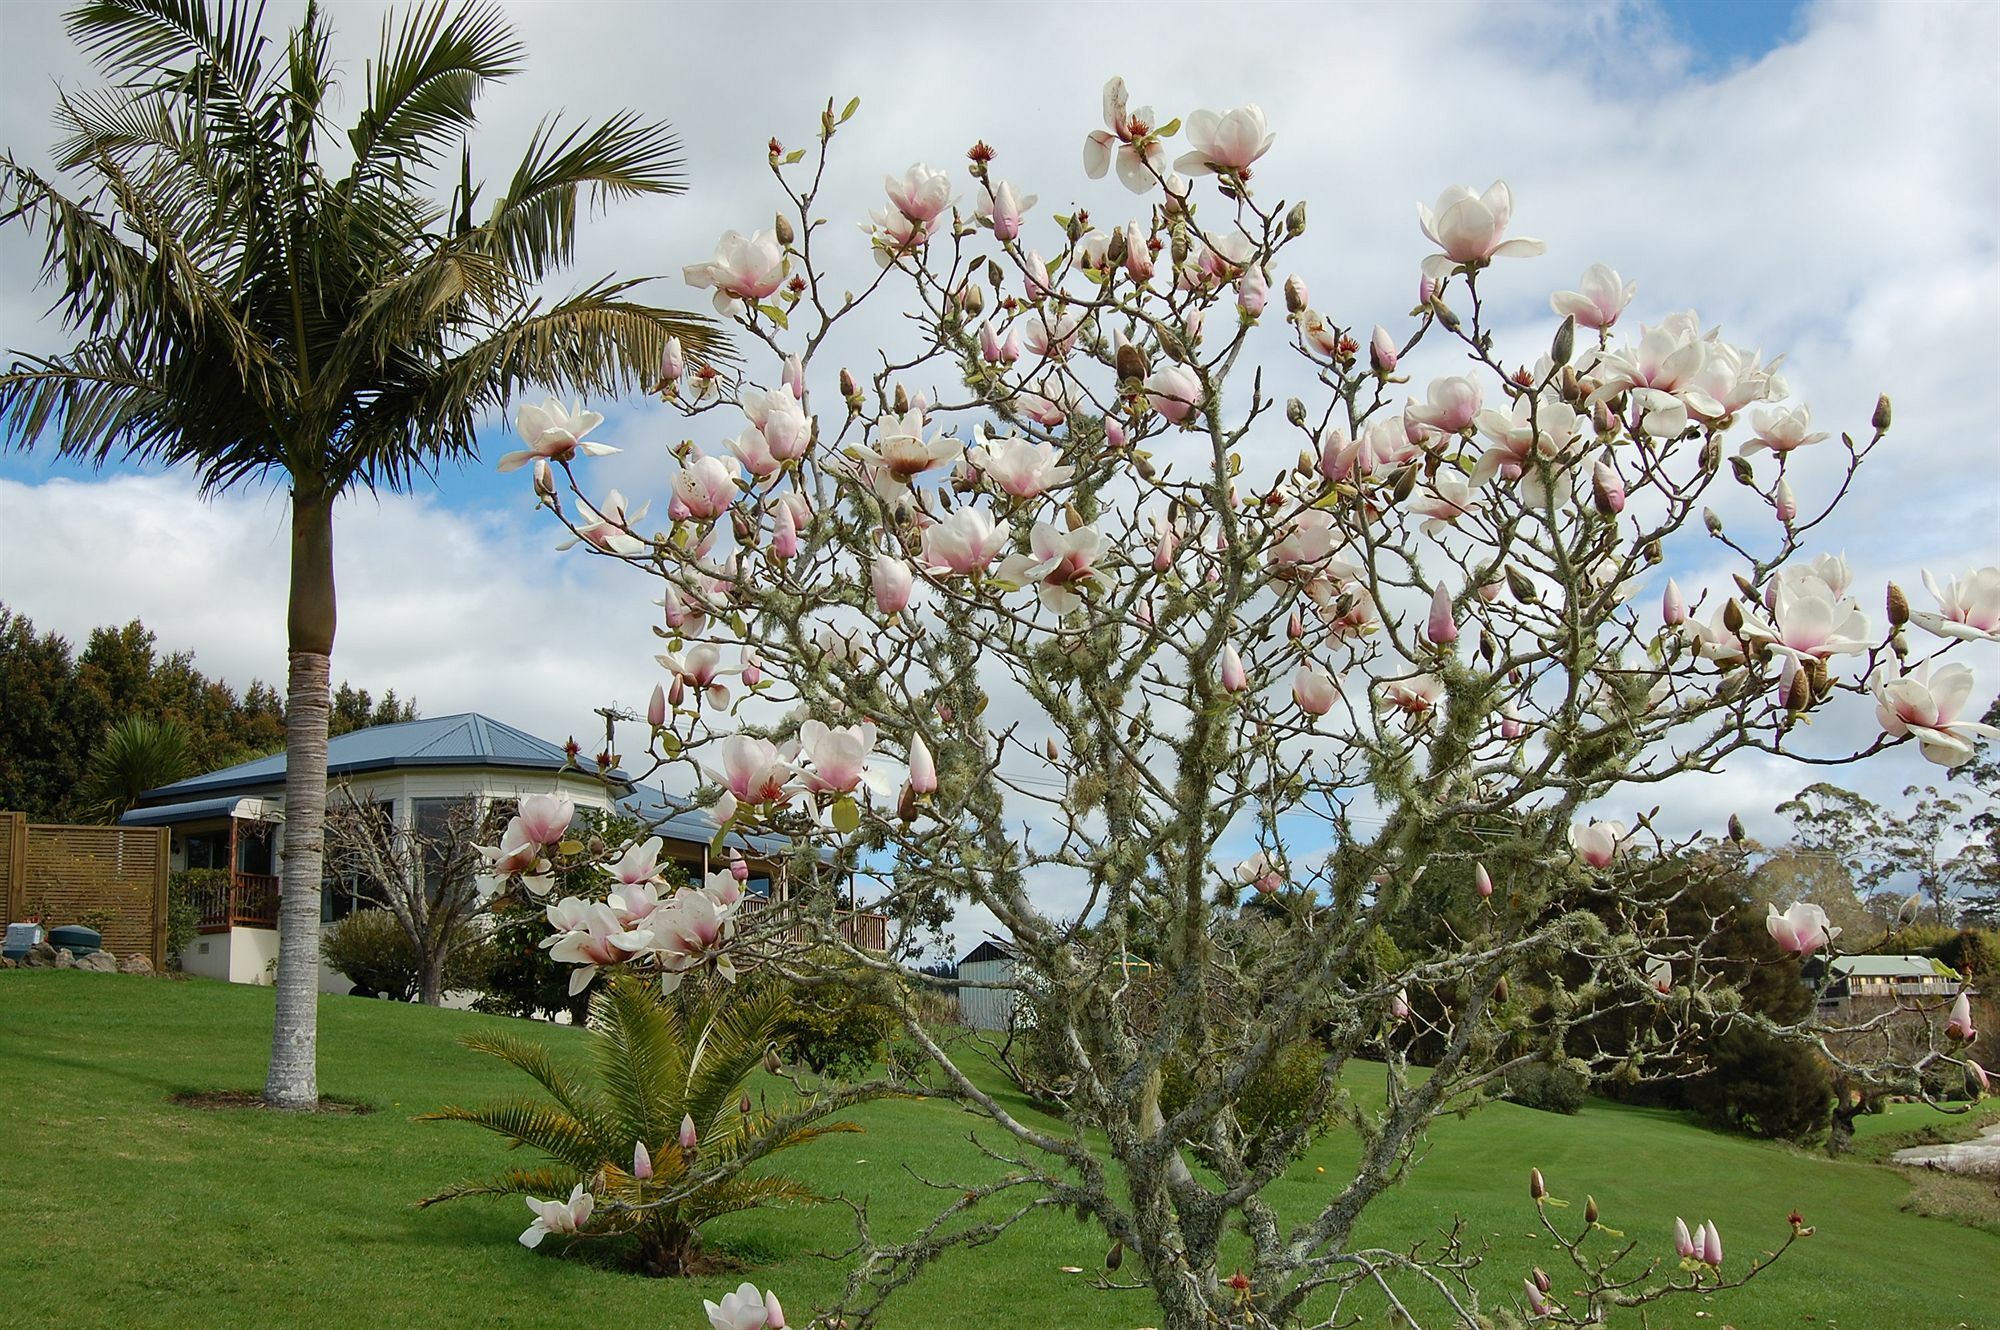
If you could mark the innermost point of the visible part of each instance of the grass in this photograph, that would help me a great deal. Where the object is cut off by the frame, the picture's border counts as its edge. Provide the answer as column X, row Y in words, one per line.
column 121, row 1207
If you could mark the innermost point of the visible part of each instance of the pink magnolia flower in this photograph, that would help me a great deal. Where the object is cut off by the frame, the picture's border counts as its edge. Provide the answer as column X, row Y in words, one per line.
column 705, row 486
column 700, row 668
column 745, row 1309
column 640, row 863
column 1783, row 430
column 1253, row 291
column 966, row 542
column 1482, row 881
column 642, row 1161
column 1673, row 606
column 608, row 528
column 921, row 194
column 901, row 450
column 554, row 434
column 1441, row 629
column 1801, row 930
column 1598, row 300
column 1448, row 498
column 1544, row 431
column 1450, row 405
column 1002, row 210
column 1968, row 606
column 1399, row 1004
column 1958, row 1025
column 893, row 233
column 923, row 767
column 1058, row 563
column 1807, row 618
column 1470, row 227
column 1230, row 141
column 1537, row 1304
column 545, row 817
column 1174, row 392
column 560, row 1217
column 517, row 852
column 1234, row 677
column 1051, row 333
column 1414, row 696
column 1141, row 158
column 1599, row 843
column 774, row 1313
column 893, row 583
column 1309, row 542
column 839, row 757
column 993, row 351
column 754, row 771
column 753, row 450
column 589, row 935
column 744, row 269
column 1683, row 1241
column 781, row 419
column 1138, row 254
column 1711, row 1245
column 724, row 887
column 1023, row 468
column 1314, row 690
column 689, row 930
column 1258, row 871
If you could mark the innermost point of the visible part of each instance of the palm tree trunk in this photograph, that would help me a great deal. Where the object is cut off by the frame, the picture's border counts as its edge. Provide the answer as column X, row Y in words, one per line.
column 294, row 1078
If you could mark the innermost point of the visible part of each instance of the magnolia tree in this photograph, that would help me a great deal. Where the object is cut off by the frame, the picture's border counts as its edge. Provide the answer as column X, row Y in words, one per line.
column 1058, row 597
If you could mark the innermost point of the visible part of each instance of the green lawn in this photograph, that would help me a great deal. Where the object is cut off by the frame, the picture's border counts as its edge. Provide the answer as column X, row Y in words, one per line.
column 118, row 1207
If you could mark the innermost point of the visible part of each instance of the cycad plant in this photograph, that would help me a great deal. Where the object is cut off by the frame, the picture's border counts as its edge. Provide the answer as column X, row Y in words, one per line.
column 137, row 754
column 665, row 1136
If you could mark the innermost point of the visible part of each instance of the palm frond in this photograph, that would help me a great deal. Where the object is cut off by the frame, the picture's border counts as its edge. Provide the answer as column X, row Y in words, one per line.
column 145, row 40
column 528, row 1122
column 745, row 1193
column 573, row 1096
column 533, row 224
column 547, row 1183
column 733, row 1044
column 640, row 1052
column 424, row 81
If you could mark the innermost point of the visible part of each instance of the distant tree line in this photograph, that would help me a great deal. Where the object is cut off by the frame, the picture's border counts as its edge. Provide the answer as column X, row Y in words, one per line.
column 79, row 727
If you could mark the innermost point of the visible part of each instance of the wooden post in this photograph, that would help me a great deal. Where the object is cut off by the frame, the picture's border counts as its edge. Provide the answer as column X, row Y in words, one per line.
column 16, row 866
column 162, row 901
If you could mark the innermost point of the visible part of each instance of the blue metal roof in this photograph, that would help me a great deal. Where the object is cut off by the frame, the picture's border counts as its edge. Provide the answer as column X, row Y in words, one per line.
column 677, row 819
column 196, row 810
column 465, row 740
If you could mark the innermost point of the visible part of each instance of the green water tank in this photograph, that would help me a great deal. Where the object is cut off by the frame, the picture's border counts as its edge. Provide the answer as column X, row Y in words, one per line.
column 81, row 941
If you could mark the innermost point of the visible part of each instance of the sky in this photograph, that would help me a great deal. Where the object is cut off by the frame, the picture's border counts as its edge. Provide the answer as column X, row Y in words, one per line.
column 1818, row 179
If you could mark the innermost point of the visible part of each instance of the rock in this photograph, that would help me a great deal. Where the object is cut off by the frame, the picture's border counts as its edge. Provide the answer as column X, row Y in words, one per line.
column 99, row 962
column 65, row 961
column 135, row 964
column 5, row 963
column 41, row 956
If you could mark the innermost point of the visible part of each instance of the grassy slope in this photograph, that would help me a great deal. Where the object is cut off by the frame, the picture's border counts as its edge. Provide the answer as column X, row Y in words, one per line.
column 120, row 1208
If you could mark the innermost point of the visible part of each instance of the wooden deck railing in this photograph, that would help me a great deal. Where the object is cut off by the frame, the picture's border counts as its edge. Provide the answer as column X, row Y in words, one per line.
column 864, row 929
column 248, row 900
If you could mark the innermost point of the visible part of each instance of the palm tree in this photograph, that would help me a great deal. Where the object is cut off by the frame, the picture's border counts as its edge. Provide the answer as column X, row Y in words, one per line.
column 660, row 1060
column 136, row 754
column 244, row 308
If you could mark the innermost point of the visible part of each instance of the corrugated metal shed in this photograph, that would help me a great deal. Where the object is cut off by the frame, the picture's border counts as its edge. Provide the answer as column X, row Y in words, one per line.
column 992, row 961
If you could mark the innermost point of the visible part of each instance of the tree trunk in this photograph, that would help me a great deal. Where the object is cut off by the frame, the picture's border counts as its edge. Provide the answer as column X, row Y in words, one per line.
column 430, row 979
column 294, row 1078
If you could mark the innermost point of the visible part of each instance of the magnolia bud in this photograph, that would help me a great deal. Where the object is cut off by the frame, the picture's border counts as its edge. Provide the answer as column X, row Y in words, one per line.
column 743, row 1104
column 1542, row 1279
column 1537, row 1189
column 906, row 804
column 1564, row 345
column 1740, row 468
column 901, row 402
column 1785, row 503
column 673, row 363
column 1732, row 617
column 1899, row 606
column 1130, row 362
column 1500, row 990
column 1589, row 1215
column 849, row 389
column 1115, row 1257
column 1482, row 881
column 1607, row 489
column 972, row 299
column 1518, row 583
column 1295, row 294
column 1711, row 521
column 1673, row 608
column 656, row 708
column 1382, row 351
column 1736, row 832
column 1880, row 420
column 783, row 228
column 1295, row 220
column 1798, row 695
column 771, row 1063
column 1049, row 747
column 1295, row 411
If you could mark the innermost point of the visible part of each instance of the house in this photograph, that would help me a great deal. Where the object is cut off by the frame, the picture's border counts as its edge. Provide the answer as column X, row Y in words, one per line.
column 1883, row 980
column 416, row 772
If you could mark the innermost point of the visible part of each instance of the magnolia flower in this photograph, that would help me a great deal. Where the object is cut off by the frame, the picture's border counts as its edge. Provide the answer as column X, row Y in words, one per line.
column 1141, row 158
column 839, row 757
column 1258, row 871
column 563, row 1217
column 744, row 269
column 1314, row 690
column 1050, row 404
column 1309, row 541
column 517, row 852
column 753, row 450
column 1450, row 405
column 965, row 542
column 1598, row 300
column 923, row 767
column 1002, row 210
column 705, row 486
column 745, row 1309
column 1807, row 619
column 893, row 584
column 754, row 771
column 545, row 817
column 901, row 449
column 642, row 1161
column 1801, row 930
column 1783, row 430
column 1449, row 498
column 1230, row 141
column 1958, row 1025
column 640, row 862
column 1684, row 1242
column 1968, row 606
column 1714, row 640
column 687, row 931
column 1537, row 1304
column 1469, row 228
column 1441, row 629
column 1059, row 562
column 1021, row 467
column 1660, row 974
column 1174, row 392
column 1599, row 843
column 700, row 668
column 1534, row 431
column 993, row 351
column 1234, row 677
column 781, row 419
column 921, row 194
column 1414, row 696
column 1052, row 334
column 554, row 434
column 590, row 934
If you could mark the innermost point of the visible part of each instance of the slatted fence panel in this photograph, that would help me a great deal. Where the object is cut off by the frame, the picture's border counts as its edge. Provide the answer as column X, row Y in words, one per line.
column 66, row 872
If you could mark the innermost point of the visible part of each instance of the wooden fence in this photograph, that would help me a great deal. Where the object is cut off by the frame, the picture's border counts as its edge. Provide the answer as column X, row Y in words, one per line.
column 66, row 872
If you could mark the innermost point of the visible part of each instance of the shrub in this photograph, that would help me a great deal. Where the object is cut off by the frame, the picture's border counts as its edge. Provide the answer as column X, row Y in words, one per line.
column 372, row 949
column 1276, row 1101
column 658, row 1058
column 1552, row 1088
column 184, row 890
column 838, row 1030
column 1763, row 1086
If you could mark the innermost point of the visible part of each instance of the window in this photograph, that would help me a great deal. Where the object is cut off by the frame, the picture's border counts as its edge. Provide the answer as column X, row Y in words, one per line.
column 342, row 889
column 443, row 828
column 207, row 849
